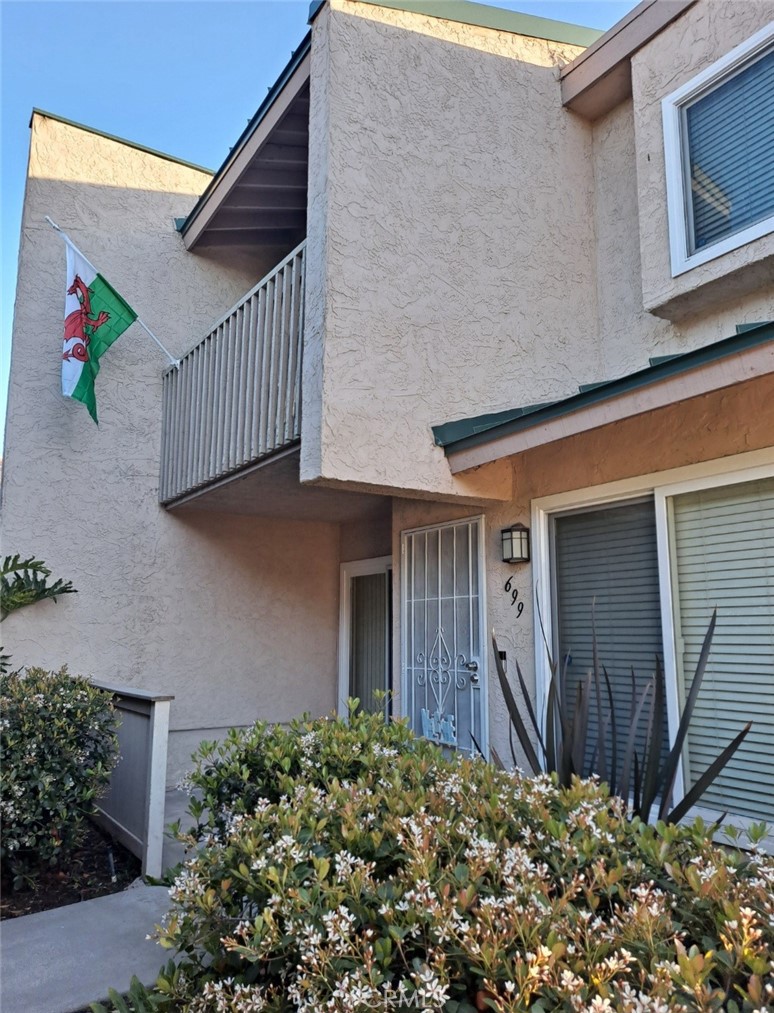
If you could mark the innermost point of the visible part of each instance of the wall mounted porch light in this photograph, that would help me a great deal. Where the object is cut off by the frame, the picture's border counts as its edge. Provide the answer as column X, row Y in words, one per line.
column 515, row 544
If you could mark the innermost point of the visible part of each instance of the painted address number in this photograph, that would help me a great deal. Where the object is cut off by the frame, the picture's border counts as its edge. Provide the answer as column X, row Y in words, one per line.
column 514, row 593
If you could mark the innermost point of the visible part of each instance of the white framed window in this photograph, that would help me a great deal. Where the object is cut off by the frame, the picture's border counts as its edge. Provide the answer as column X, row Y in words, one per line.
column 713, row 529
column 719, row 155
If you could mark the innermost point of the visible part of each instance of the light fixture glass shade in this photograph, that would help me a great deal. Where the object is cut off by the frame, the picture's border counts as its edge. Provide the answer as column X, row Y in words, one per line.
column 515, row 544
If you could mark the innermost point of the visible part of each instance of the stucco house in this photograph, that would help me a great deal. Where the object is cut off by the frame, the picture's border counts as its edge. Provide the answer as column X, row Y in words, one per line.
column 465, row 269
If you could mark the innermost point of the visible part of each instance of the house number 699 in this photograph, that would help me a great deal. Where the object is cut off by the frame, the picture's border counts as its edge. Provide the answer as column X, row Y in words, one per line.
column 514, row 593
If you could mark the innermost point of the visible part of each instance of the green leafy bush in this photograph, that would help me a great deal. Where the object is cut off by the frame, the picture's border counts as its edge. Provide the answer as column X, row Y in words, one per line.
column 58, row 746
column 351, row 867
column 24, row 582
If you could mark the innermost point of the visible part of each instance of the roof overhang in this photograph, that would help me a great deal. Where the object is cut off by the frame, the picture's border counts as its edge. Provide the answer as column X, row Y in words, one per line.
column 259, row 194
column 744, row 356
column 601, row 77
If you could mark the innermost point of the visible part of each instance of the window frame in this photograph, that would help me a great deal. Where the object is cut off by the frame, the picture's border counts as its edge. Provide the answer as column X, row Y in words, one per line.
column 663, row 487
column 680, row 218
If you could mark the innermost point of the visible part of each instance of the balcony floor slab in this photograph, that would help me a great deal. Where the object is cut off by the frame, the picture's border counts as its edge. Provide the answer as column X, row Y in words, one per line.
column 273, row 489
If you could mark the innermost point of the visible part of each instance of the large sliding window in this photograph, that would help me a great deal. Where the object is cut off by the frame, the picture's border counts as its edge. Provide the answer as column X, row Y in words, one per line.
column 655, row 569
column 723, row 556
column 606, row 569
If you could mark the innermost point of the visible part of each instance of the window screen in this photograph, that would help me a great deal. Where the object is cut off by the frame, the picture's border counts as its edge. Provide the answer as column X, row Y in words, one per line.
column 607, row 559
column 729, row 135
column 724, row 554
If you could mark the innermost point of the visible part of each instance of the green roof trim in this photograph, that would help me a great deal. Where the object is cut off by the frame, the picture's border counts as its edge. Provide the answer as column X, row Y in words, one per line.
column 120, row 140
column 295, row 59
column 480, row 429
column 450, row 432
column 485, row 16
column 742, row 328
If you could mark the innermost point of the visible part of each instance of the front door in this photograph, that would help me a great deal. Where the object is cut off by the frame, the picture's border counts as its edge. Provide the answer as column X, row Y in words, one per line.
column 365, row 634
column 443, row 641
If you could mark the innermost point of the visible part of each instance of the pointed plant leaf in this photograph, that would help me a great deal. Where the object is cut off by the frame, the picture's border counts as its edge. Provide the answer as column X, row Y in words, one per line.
column 513, row 711
column 530, row 711
column 552, row 722
column 709, row 775
column 514, row 755
column 613, row 732
column 602, row 763
column 580, row 725
column 653, row 745
column 672, row 761
column 631, row 742
column 478, row 748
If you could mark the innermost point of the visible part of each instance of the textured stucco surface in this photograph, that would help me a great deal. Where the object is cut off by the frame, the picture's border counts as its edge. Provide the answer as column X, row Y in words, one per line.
column 450, row 264
column 706, row 32
column 718, row 425
column 234, row 615
column 367, row 539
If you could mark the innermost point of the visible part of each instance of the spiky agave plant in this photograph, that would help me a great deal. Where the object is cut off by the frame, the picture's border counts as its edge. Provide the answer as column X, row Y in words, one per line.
column 562, row 747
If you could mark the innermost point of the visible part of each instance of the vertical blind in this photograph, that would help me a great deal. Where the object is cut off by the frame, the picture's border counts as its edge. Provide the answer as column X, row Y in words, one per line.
column 724, row 556
column 608, row 559
column 369, row 638
column 729, row 134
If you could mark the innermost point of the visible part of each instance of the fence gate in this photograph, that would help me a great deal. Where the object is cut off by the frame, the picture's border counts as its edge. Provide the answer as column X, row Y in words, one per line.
column 443, row 650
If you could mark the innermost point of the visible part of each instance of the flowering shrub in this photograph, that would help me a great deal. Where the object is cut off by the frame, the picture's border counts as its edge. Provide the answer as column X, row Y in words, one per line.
column 368, row 872
column 57, row 746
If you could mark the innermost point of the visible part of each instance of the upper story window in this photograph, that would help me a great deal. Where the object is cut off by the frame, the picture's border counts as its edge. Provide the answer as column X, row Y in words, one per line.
column 719, row 154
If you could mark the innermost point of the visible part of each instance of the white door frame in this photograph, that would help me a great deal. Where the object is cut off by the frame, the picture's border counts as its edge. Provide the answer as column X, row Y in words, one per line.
column 484, row 642
column 348, row 570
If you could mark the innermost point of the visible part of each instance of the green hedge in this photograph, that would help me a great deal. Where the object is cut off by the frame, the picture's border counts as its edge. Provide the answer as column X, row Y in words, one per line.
column 57, row 748
column 351, row 867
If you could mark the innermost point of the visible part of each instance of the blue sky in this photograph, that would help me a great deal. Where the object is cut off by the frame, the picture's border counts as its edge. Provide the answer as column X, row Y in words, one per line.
column 182, row 77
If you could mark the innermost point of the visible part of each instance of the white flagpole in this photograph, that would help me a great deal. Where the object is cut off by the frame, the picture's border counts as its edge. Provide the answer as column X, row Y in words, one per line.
column 175, row 362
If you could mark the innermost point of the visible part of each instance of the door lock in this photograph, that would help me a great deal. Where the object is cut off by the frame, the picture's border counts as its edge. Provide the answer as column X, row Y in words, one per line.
column 472, row 666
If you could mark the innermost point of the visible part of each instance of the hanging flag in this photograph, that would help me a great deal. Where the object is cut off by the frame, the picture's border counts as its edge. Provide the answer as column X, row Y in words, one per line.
column 95, row 317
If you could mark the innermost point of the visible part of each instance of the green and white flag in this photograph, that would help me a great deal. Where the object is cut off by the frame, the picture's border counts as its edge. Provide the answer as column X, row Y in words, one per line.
column 95, row 317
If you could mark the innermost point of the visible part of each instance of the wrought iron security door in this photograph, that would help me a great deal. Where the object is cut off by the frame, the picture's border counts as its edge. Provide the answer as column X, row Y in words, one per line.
column 444, row 662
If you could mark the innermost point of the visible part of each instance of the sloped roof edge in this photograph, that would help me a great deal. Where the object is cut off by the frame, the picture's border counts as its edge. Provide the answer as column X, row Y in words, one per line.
column 119, row 140
column 485, row 16
column 295, row 59
column 480, row 429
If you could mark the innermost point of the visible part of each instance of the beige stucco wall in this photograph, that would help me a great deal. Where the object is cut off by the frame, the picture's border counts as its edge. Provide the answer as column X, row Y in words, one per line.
column 366, row 539
column 628, row 333
column 235, row 616
column 450, row 260
column 717, row 426
column 705, row 33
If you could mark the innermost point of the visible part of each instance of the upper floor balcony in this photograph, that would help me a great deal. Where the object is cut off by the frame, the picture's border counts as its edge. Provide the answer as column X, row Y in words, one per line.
column 235, row 398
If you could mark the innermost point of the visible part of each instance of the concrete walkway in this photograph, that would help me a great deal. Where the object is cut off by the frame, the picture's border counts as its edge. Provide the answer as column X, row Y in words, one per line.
column 61, row 960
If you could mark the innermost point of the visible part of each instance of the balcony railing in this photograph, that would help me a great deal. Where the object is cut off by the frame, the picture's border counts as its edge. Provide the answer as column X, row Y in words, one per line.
column 235, row 398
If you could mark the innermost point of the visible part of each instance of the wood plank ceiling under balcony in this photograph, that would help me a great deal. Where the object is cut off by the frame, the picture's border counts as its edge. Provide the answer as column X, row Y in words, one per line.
column 258, row 197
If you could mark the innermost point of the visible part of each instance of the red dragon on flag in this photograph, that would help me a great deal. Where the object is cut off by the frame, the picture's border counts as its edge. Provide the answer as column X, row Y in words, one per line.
column 77, row 322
